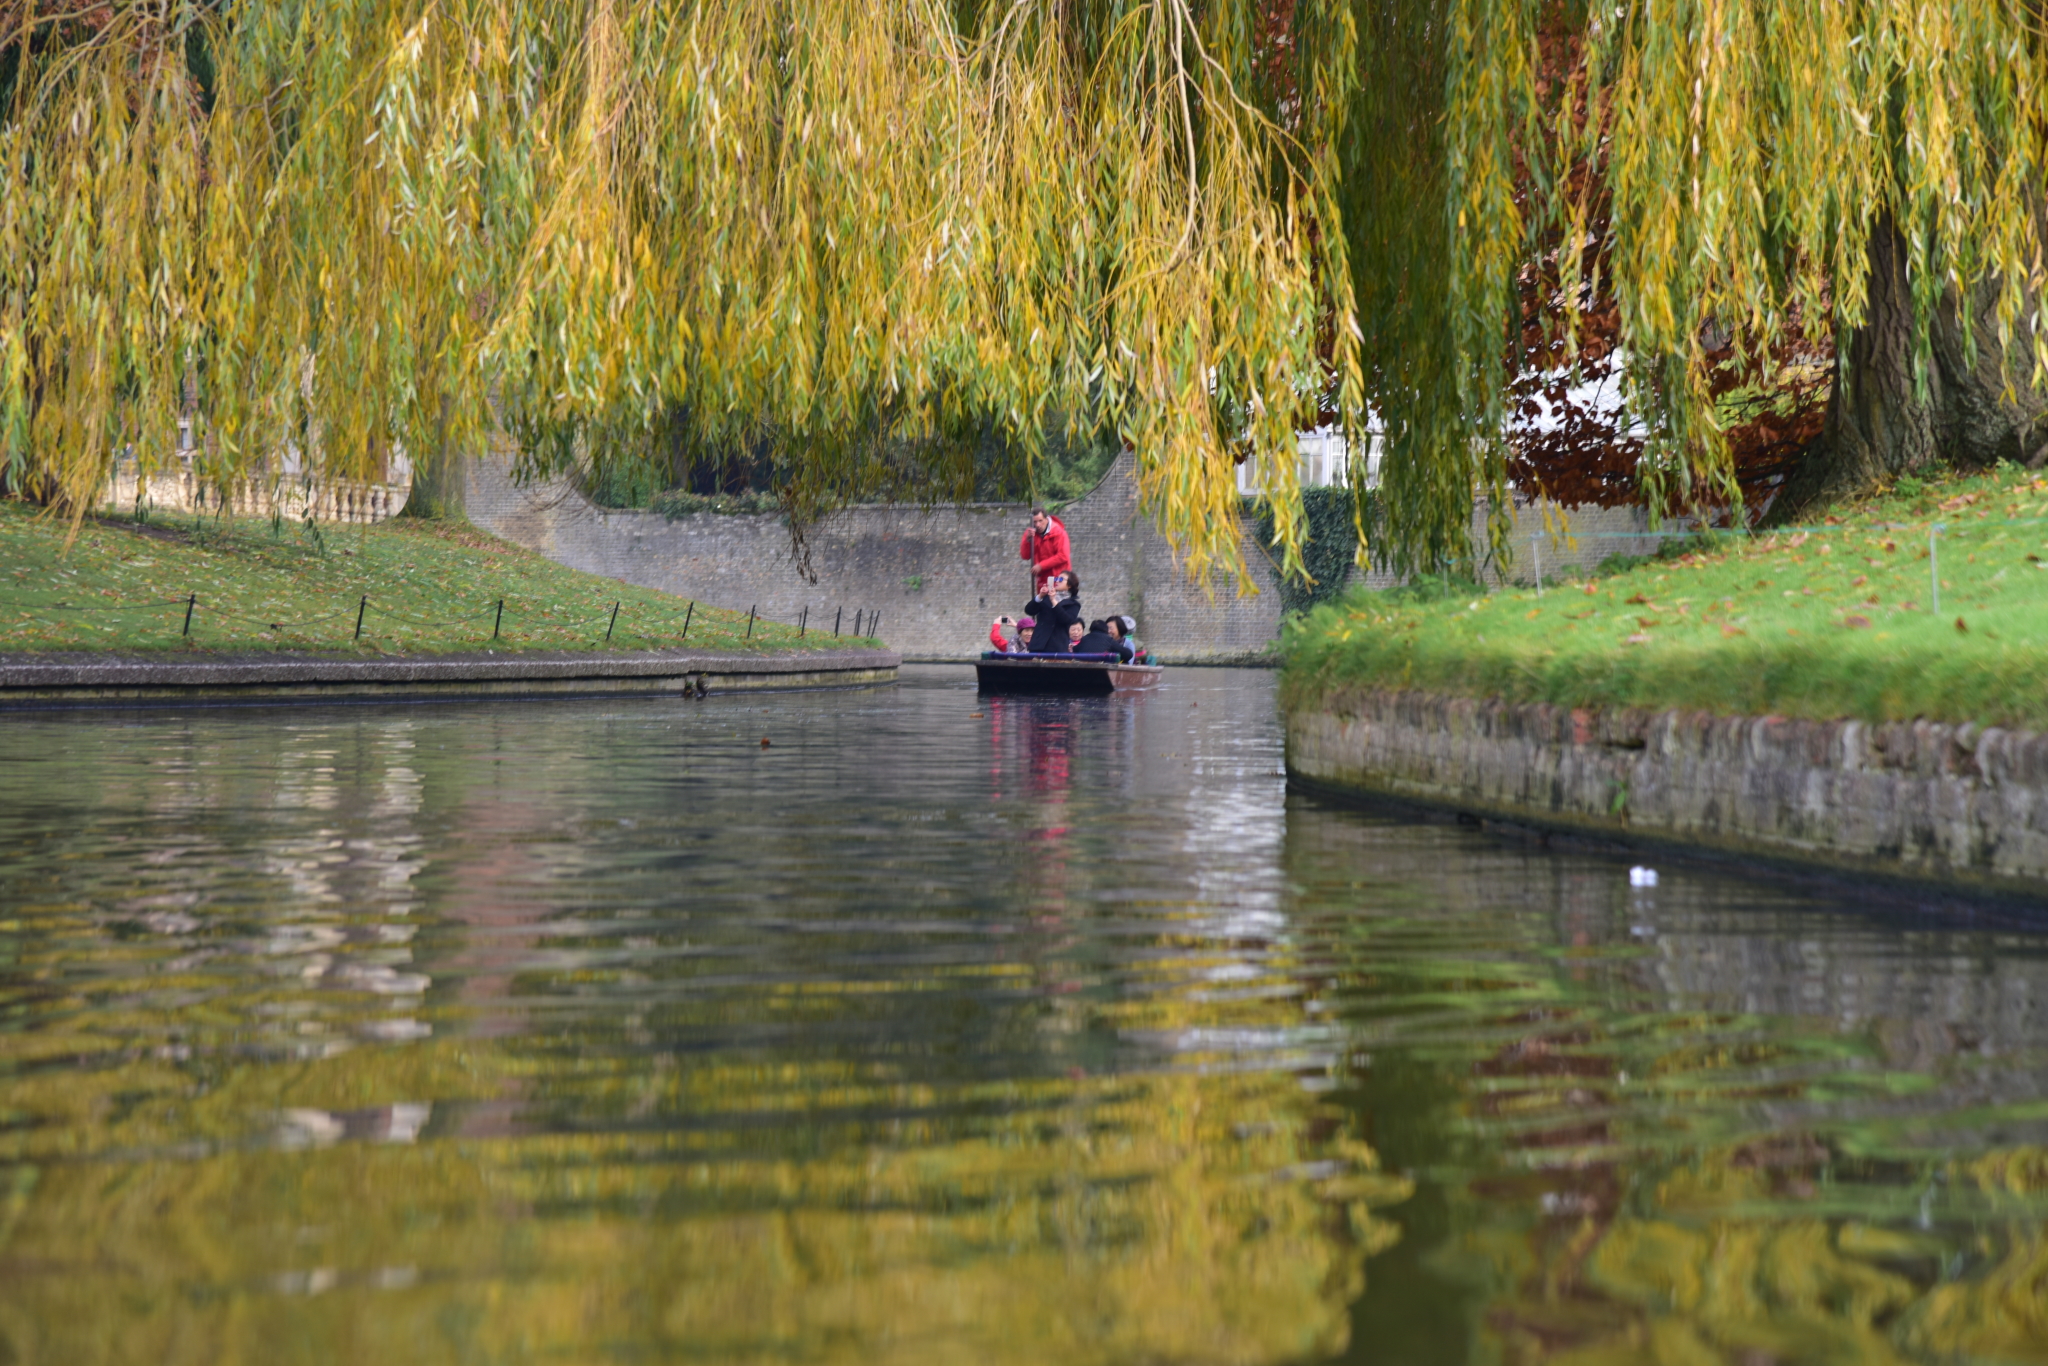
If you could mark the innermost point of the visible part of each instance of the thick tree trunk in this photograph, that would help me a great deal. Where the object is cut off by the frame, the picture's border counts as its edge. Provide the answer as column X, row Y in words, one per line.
column 440, row 486
column 440, row 480
column 1879, row 427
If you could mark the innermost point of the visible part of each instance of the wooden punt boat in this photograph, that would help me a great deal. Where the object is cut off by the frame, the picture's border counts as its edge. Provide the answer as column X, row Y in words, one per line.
column 1063, row 675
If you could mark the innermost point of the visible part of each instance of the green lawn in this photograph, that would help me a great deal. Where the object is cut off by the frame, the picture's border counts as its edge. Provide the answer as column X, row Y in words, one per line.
column 1831, row 619
column 431, row 589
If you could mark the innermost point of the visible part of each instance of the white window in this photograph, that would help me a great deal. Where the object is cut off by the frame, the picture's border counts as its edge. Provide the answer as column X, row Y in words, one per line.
column 1325, row 460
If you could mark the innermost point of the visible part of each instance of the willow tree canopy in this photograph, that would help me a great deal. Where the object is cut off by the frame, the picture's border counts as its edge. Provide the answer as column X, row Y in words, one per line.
column 1198, row 224
column 1734, row 168
column 341, row 225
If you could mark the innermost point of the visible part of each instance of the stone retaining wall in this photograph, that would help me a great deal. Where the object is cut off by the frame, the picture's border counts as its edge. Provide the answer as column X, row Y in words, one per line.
column 1950, row 803
column 939, row 577
column 86, row 679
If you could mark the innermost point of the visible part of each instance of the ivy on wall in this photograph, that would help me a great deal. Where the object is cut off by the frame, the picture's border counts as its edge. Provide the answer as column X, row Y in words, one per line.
column 1330, row 544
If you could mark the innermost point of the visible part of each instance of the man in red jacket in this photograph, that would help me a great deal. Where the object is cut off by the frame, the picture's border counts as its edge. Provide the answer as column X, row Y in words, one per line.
column 1045, row 546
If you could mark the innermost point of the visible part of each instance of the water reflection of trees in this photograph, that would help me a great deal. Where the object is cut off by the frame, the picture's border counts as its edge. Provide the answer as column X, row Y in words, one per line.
column 810, row 1110
column 1690, row 1125
column 515, row 1043
column 1172, row 1217
column 792, row 1208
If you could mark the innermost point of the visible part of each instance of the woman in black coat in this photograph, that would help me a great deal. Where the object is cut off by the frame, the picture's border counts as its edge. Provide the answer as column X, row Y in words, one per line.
column 1053, row 612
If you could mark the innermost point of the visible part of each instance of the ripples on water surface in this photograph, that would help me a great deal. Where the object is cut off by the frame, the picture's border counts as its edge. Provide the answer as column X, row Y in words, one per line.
column 950, row 1030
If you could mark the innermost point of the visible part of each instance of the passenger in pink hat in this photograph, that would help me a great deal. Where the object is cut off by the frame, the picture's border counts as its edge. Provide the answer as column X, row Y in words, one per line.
column 1005, row 644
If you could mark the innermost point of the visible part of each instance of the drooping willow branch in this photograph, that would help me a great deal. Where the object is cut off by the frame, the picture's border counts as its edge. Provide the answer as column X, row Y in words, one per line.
column 370, row 225
column 1748, row 151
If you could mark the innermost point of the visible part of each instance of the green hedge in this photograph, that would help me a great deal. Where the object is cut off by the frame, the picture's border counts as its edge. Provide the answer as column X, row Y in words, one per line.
column 673, row 503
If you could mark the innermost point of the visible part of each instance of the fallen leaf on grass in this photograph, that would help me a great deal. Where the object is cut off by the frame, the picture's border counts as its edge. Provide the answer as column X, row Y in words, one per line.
column 1728, row 630
column 1856, row 623
column 1960, row 626
column 1860, row 580
column 1647, row 622
column 1637, row 639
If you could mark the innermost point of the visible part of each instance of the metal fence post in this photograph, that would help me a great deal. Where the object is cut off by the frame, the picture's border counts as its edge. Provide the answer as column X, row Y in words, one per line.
column 498, row 620
column 686, row 618
column 190, row 603
column 750, row 620
column 361, row 608
column 615, row 621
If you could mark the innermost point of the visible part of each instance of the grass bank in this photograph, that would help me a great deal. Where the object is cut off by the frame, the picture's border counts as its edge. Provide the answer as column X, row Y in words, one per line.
column 1830, row 620
column 418, row 588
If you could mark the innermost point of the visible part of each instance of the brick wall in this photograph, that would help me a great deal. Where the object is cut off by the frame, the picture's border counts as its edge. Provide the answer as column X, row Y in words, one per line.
column 938, row 578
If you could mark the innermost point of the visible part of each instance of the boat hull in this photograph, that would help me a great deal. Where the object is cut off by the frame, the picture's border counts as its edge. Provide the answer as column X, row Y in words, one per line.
column 1064, row 677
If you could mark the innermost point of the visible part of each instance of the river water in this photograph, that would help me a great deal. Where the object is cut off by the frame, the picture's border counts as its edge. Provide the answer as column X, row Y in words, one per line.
column 948, row 1029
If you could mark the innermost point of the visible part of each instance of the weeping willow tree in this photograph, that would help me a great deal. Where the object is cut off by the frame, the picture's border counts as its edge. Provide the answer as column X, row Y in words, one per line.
column 1724, row 169
column 344, row 230
column 347, row 229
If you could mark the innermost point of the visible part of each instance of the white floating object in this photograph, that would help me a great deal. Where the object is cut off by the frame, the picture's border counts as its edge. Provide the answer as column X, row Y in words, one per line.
column 1642, row 877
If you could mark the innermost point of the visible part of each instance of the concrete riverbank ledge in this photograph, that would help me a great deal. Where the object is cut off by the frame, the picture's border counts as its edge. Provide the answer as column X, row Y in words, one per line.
column 1958, row 805
column 71, row 680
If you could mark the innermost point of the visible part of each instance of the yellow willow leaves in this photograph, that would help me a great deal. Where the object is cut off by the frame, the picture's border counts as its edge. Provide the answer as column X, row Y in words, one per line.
column 1754, row 147
column 116, row 160
column 389, row 224
column 1751, row 148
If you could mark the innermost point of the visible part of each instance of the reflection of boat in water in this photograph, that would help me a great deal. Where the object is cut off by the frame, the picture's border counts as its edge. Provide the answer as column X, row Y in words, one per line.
column 1064, row 675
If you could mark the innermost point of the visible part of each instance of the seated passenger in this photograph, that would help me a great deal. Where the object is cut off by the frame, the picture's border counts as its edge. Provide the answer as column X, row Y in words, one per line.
column 1115, row 627
column 1052, row 612
column 1098, row 641
column 1139, row 654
